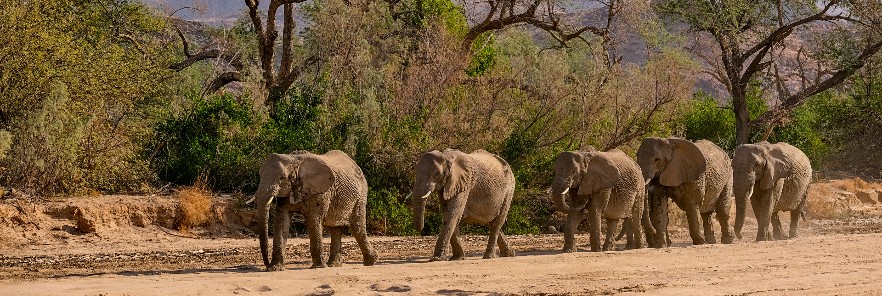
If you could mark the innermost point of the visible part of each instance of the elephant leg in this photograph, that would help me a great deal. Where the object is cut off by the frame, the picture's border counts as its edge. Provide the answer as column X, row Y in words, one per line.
column 280, row 237
column 315, row 228
column 693, row 216
column 628, row 233
column 359, row 231
column 454, row 209
column 505, row 249
column 794, row 221
column 574, row 217
column 722, row 210
column 707, row 221
column 335, row 257
column 760, row 209
column 495, row 233
column 456, row 246
column 611, row 226
column 777, row 232
column 636, row 232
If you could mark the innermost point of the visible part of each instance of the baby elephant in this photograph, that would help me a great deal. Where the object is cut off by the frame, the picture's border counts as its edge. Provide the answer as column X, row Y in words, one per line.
column 610, row 185
column 476, row 188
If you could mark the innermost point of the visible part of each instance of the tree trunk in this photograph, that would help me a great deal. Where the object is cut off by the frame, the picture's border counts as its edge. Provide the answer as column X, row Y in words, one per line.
column 742, row 116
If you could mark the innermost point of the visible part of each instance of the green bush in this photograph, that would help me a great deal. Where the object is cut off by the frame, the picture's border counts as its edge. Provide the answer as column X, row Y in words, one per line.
column 225, row 141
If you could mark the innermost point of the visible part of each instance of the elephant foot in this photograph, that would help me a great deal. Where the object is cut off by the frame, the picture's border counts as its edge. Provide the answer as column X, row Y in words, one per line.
column 437, row 258
column 318, row 265
column 793, row 234
column 710, row 240
column 370, row 259
column 456, row 258
column 568, row 250
column 335, row 263
column 276, row 267
column 507, row 253
column 727, row 239
column 489, row 255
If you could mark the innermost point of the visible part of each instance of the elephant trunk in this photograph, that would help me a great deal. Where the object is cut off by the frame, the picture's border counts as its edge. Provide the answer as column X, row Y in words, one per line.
column 419, row 206
column 645, row 221
column 658, row 214
column 263, row 202
column 559, row 191
column 263, row 232
column 742, row 191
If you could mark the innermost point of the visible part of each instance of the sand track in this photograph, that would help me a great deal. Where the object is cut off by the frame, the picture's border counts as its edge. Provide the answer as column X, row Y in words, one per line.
column 832, row 258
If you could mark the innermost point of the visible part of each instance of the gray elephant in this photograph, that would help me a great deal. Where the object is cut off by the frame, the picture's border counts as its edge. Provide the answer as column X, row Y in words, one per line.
column 610, row 185
column 329, row 190
column 697, row 176
column 476, row 188
column 776, row 178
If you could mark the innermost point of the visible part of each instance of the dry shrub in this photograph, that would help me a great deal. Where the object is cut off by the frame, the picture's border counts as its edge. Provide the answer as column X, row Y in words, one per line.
column 195, row 205
column 851, row 185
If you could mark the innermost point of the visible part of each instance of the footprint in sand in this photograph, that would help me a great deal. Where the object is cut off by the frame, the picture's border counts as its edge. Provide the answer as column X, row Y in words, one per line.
column 389, row 287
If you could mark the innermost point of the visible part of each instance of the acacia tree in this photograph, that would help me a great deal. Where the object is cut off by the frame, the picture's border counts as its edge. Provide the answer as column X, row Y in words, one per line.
column 751, row 34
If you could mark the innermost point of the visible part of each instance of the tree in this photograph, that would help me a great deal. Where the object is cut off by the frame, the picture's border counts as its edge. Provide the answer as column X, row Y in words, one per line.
column 752, row 34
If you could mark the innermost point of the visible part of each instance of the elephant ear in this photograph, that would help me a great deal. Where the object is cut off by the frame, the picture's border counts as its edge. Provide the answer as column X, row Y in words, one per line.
column 316, row 177
column 774, row 170
column 460, row 170
column 686, row 164
column 600, row 173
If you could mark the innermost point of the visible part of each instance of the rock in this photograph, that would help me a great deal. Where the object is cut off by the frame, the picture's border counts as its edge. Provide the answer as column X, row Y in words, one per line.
column 867, row 197
column 551, row 230
column 85, row 222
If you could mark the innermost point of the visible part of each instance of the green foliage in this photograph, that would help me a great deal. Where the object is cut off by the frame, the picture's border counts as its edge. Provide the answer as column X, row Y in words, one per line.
column 49, row 146
column 388, row 215
column 810, row 129
column 71, row 82
column 210, row 140
column 223, row 140
column 483, row 55
column 704, row 119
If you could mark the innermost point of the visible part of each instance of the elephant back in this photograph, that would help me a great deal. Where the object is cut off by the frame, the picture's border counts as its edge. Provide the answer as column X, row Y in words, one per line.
column 718, row 175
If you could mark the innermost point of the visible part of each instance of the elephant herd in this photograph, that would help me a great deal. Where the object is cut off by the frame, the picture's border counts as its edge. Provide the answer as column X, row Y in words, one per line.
column 330, row 191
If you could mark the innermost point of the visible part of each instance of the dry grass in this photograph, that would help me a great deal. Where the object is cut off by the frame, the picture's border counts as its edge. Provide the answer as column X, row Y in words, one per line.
column 195, row 206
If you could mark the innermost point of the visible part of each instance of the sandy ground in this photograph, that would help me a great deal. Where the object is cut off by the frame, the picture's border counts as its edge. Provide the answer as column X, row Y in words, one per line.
column 831, row 257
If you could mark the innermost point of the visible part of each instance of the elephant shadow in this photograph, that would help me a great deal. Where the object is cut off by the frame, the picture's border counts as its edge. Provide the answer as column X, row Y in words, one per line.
column 459, row 292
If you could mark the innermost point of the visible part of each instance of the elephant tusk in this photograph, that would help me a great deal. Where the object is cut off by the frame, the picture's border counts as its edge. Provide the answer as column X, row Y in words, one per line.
column 250, row 200
column 408, row 196
column 647, row 181
column 427, row 195
column 565, row 191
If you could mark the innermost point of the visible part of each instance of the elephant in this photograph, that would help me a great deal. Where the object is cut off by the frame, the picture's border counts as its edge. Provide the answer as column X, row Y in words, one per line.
column 610, row 185
column 329, row 190
column 776, row 178
column 697, row 176
column 476, row 188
